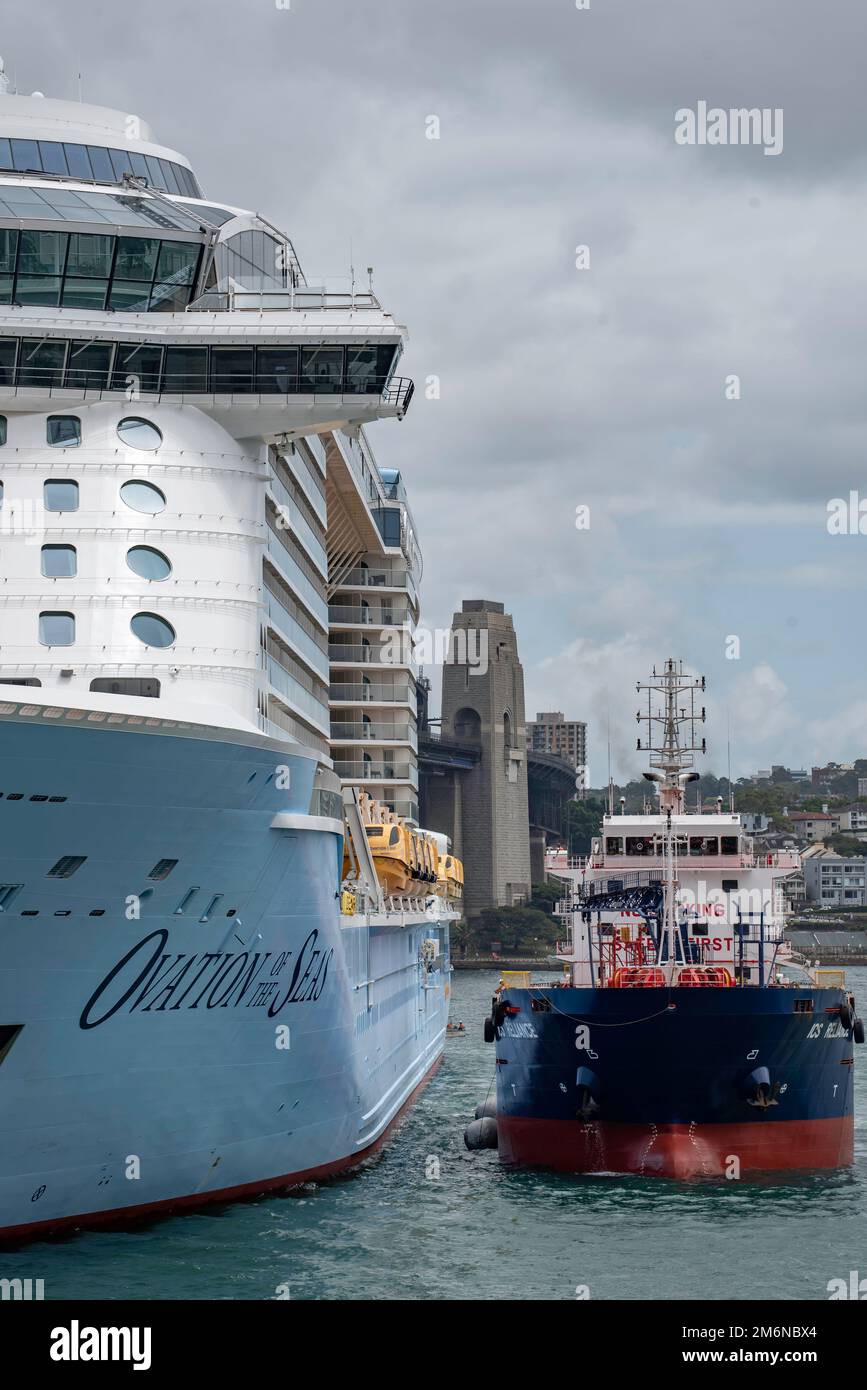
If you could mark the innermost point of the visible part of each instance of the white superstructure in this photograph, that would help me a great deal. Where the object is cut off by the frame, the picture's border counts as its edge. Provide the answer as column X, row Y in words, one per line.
column 693, row 881
column 169, row 386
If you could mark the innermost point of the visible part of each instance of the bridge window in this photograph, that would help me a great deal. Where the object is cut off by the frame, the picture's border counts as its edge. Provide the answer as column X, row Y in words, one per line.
column 276, row 370
column 89, row 363
column 729, row 844
column 700, row 845
column 41, row 362
column 367, row 368
column 232, row 369
column 321, row 369
column 137, row 365
column 613, row 845
column 186, row 369
column 148, row 367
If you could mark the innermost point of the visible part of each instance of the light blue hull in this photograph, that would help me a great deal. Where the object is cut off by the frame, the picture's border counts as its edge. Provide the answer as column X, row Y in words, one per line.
column 162, row 1058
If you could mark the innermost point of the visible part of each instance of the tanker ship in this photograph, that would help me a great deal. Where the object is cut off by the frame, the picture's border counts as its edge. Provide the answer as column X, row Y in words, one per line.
column 684, row 1040
column 211, row 986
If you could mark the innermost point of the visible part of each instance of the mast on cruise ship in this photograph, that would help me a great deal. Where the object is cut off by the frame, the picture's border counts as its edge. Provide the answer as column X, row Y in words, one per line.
column 672, row 721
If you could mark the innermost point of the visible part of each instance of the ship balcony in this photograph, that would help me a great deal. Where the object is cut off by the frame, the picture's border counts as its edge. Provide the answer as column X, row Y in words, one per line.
column 401, row 807
column 372, row 694
column 382, row 735
column 377, row 772
column 383, row 580
column 344, row 654
column 362, row 615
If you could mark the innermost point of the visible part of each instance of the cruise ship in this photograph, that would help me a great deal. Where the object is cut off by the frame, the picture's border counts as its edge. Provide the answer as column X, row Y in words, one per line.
column 684, row 1040
column 207, row 991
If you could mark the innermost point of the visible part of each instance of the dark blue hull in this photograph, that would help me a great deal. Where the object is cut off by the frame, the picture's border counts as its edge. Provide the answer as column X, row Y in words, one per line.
column 678, row 1082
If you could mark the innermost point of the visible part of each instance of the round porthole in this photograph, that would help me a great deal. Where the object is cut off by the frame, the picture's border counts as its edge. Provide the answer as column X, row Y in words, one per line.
column 153, row 630
column 139, row 434
column 143, row 497
column 148, row 563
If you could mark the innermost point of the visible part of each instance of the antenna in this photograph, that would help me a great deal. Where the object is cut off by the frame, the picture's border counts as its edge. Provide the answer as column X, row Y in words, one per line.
column 4, row 80
column 672, row 754
column 729, row 746
column 610, row 783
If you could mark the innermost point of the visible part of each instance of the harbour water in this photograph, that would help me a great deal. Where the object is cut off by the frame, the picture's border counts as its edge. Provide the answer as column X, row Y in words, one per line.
column 428, row 1220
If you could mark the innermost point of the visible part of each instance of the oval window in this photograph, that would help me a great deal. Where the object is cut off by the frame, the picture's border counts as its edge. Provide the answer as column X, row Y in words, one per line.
column 143, row 497
column 148, row 563
column 153, row 630
column 139, row 434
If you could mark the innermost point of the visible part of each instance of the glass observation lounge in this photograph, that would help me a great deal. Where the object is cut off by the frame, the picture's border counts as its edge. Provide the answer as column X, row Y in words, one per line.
column 89, row 364
column 81, row 270
column 96, row 164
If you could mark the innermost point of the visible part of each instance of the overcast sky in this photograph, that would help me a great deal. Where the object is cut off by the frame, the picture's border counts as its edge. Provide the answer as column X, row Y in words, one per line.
column 560, row 387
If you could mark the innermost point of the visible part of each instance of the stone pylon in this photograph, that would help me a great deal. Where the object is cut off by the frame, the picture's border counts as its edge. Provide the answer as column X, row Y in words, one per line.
column 483, row 703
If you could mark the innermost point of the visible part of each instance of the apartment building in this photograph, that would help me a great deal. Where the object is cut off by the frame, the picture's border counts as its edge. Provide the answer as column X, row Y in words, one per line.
column 552, row 732
column 833, row 881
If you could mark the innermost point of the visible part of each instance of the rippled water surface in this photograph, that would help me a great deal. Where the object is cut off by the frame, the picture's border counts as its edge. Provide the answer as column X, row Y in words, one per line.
column 482, row 1231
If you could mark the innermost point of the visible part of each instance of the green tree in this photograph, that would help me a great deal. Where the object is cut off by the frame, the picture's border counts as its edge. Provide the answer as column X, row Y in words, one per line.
column 583, row 821
column 522, row 931
column 545, row 896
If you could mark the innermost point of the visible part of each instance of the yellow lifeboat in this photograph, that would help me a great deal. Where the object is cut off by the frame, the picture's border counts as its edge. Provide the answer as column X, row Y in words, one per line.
column 451, row 876
column 392, row 855
column 408, row 863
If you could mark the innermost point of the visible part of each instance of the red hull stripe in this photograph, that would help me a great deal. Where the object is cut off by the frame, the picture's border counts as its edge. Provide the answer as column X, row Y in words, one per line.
column 676, row 1151
column 119, row 1215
